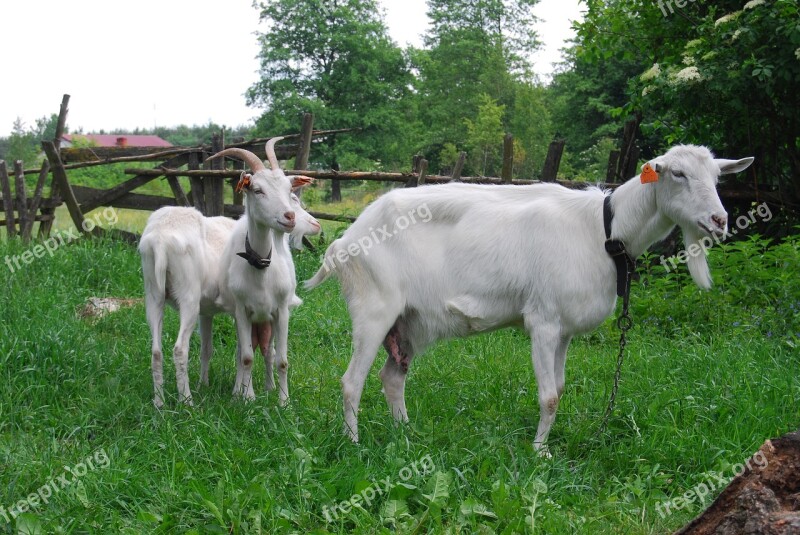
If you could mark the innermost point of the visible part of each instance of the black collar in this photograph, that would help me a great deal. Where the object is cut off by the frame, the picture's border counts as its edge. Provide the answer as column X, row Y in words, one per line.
column 616, row 249
column 253, row 258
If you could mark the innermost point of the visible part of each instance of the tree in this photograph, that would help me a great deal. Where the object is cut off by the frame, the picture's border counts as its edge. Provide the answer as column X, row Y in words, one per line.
column 476, row 50
column 734, row 84
column 334, row 58
column 483, row 135
column 23, row 144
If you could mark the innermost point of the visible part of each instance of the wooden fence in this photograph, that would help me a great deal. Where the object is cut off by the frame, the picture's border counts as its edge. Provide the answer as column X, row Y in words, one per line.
column 208, row 181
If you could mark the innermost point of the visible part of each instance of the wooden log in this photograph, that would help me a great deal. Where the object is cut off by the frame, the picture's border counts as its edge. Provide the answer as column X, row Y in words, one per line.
column 60, row 178
column 553, row 161
column 22, row 196
column 36, row 202
column 39, row 218
column 8, row 202
column 233, row 174
column 132, row 201
column 333, row 217
column 459, row 168
column 127, row 186
column 91, row 156
column 763, row 498
column 177, row 191
column 508, row 158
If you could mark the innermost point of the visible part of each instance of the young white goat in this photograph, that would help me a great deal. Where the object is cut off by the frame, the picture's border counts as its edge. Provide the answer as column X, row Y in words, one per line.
column 497, row 256
column 182, row 254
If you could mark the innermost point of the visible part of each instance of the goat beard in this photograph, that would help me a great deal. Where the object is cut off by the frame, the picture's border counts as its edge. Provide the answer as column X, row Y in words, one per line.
column 296, row 240
column 697, row 263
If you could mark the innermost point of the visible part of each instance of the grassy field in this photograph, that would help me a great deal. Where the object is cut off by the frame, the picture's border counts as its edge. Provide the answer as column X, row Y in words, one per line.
column 708, row 377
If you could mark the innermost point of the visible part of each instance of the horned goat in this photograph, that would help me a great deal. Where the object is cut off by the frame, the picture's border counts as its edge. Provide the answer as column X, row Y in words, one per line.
column 488, row 257
column 182, row 263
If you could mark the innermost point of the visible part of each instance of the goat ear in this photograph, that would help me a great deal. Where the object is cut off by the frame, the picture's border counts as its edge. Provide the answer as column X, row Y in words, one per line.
column 244, row 182
column 298, row 181
column 729, row 167
column 651, row 171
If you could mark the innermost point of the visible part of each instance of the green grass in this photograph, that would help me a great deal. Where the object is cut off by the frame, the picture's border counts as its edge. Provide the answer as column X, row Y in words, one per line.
column 707, row 378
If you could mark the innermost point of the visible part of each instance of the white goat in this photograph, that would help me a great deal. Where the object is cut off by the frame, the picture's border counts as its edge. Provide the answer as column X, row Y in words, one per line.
column 182, row 255
column 497, row 256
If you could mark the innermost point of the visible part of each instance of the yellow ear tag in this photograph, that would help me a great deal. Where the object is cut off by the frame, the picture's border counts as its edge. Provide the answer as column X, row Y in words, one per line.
column 648, row 174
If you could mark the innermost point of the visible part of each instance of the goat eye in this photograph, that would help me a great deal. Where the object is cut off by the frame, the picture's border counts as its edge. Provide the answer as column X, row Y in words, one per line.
column 678, row 174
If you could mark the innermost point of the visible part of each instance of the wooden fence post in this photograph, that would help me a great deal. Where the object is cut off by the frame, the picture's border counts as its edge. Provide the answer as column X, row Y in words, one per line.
column 611, row 170
column 459, row 168
column 8, row 203
column 197, row 192
column 215, row 198
column 22, row 195
column 47, row 225
column 35, row 202
column 629, row 152
column 423, row 171
column 553, row 161
column 508, row 158
column 304, row 149
column 238, row 197
column 60, row 178
column 416, row 161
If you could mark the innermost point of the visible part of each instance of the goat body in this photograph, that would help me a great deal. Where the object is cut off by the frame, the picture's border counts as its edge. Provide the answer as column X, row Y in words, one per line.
column 190, row 262
column 496, row 256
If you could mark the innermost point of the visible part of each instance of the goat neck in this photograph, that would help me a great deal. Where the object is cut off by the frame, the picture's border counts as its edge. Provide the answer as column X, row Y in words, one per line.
column 638, row 222
column 262, row 240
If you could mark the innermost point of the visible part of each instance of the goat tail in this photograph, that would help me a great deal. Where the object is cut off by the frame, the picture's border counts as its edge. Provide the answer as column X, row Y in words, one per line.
column 154, row 267
column 327, row 269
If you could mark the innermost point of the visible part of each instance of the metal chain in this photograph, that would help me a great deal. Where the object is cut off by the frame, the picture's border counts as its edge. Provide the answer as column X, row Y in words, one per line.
column 624, row 324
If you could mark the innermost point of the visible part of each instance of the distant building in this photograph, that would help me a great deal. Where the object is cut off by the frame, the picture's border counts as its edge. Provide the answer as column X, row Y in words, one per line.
column 114, row 140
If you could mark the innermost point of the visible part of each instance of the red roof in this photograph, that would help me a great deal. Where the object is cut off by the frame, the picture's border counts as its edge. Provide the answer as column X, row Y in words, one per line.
column 119, row 140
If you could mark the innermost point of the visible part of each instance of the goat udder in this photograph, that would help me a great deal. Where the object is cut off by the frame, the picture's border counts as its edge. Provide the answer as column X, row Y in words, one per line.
column 394, row 346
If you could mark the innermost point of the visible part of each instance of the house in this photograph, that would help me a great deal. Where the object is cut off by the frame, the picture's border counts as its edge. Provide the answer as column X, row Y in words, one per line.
column 114, row 140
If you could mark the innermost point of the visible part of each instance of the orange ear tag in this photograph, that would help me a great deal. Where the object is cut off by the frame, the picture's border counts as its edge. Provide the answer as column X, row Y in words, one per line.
column 244, row 183
column 648, row 174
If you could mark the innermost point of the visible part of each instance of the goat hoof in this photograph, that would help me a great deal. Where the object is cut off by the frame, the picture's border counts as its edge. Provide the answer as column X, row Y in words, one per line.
column 158, row 402
column 543, row 451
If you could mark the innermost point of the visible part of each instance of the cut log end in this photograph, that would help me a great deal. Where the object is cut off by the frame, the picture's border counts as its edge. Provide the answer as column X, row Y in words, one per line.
column 764, row 499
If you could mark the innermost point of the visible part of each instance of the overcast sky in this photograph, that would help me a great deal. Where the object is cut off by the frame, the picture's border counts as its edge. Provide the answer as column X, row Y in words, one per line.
column 166, row 62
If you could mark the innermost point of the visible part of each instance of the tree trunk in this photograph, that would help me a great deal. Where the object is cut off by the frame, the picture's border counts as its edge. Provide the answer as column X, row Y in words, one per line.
column 764, row 499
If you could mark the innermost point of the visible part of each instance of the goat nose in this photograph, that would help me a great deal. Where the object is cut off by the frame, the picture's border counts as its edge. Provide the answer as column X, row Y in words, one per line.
column 720, row 220
column 289, row 216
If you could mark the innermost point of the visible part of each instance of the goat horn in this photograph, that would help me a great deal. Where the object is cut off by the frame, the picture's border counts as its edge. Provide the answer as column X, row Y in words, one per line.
column 273, row 160
column 249, row 158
